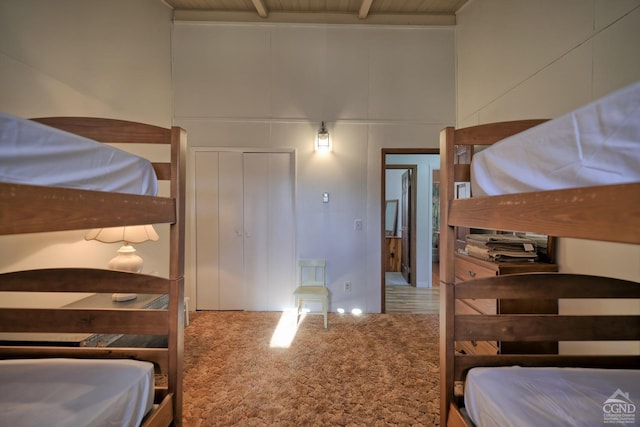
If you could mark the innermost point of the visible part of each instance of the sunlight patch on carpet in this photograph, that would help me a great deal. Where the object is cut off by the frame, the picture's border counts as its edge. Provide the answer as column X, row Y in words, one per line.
column 286, row 330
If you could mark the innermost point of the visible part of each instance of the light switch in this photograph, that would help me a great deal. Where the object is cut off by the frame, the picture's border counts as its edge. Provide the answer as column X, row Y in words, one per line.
column 325, row 197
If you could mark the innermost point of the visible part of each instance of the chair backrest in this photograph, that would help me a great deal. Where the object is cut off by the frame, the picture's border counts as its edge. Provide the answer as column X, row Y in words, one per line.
column 311, row 272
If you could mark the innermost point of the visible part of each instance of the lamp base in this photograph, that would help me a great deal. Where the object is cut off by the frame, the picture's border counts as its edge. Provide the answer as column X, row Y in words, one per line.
column 126, row 260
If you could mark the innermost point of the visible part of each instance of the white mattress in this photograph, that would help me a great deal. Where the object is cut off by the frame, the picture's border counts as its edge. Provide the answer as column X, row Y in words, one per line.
column 32, row 153
column 75, row 392
column 597, row 144
column 554, row 397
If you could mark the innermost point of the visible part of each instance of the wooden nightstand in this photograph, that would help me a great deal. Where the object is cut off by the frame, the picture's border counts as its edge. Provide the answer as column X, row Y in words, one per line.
column 467, row 268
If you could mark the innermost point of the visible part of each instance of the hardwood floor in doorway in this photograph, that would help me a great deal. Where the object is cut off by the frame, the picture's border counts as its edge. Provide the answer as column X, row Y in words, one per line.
column 409, row 299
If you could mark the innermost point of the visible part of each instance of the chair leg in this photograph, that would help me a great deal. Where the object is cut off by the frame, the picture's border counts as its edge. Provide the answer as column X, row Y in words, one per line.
column 324, row 309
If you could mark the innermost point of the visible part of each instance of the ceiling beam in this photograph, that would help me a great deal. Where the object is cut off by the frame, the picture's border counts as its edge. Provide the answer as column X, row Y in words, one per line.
column 364, row 8
column 261, row 8
column 315, row 18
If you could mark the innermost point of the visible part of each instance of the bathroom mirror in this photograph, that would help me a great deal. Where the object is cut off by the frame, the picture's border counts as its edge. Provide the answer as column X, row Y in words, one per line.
column 391, row 218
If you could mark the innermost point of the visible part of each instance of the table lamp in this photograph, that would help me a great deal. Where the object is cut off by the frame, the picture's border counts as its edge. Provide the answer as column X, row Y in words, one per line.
column 127, row 259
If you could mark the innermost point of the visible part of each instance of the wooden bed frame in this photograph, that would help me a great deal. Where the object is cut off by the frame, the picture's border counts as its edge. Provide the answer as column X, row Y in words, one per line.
column 31, row 209
column 594, row 213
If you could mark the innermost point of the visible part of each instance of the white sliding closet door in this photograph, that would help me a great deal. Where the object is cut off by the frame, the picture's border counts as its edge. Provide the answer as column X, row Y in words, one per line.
column 230, row 230
column 244, row 231
column 206, row 234
column 281, row 233
column 268, row 213
column 219, row 231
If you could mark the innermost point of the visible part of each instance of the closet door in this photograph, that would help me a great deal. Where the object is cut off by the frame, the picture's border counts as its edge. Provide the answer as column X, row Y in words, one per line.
column 269, row 231
column 281, row 232
column 255, row 230
column 231, row 230
column 206, row 233
column 219, row 231
column 244, row 231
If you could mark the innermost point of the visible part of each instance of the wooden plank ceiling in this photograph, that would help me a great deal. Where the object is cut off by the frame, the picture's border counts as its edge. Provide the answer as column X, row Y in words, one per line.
column 376, row 12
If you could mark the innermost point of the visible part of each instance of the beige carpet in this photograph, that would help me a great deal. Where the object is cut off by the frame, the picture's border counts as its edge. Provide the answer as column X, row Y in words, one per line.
column 371, row 370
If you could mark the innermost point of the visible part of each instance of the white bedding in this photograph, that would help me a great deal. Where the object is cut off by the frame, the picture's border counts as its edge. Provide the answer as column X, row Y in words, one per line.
column 75, row 392
column 554, row 397
column 597, row 144
column 32, row 153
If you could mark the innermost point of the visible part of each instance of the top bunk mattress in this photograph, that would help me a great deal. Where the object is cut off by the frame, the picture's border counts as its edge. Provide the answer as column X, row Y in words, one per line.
column 598, row 144
column 36, row 154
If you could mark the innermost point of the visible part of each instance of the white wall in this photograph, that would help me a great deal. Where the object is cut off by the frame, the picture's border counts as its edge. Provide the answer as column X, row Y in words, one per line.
column 91, row 57
column 522, row 59
column 541, row 59
column 86, row 58
column 270, row 86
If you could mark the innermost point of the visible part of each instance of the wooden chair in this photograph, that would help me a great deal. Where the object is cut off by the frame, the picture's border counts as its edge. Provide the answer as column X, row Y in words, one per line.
column 312, row 286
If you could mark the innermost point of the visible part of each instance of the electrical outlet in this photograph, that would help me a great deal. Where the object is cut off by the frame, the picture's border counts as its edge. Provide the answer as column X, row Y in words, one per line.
column 347, row 287
column 357, row 225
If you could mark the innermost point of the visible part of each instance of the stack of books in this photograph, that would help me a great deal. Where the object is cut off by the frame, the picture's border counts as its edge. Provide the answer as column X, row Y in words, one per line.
column 501, row 247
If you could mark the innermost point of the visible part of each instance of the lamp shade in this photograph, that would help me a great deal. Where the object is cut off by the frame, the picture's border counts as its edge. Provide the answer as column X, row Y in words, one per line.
column 127, row 234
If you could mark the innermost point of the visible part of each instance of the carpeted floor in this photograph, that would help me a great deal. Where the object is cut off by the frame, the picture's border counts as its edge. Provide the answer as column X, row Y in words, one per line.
column 370, row 370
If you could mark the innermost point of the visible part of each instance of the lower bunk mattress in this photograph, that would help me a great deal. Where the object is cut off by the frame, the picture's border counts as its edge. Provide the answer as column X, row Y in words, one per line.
column 75, row 392
column 538, row 397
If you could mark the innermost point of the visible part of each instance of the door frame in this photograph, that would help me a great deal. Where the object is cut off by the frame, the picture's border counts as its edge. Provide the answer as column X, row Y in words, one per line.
column 383, row 182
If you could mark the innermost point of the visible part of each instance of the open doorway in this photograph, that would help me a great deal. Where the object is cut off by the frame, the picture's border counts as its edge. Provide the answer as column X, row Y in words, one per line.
column 407, row 219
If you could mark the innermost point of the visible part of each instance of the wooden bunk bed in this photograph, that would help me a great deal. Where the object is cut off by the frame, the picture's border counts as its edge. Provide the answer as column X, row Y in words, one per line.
column 34, row 208
column 604, row 213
